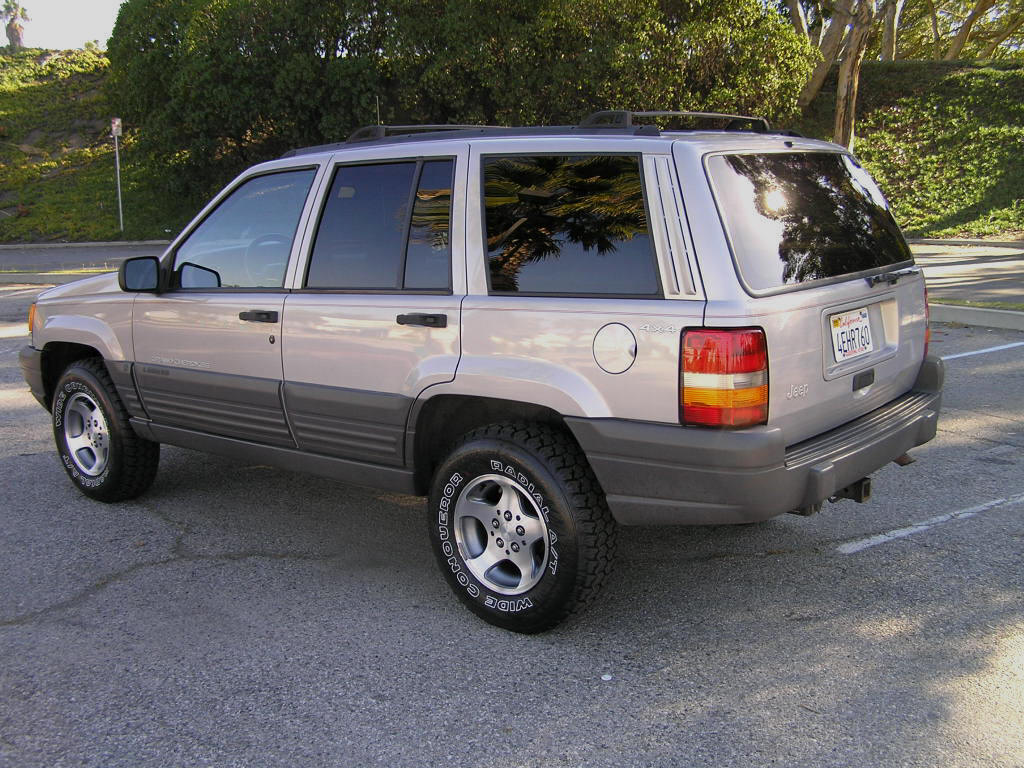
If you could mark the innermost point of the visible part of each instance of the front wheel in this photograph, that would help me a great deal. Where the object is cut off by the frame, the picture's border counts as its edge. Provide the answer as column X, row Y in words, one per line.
column 520, row 526
column 99, row 449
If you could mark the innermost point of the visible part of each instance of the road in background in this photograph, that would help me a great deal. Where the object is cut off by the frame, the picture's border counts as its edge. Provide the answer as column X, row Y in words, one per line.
column 45, row 258
column 241, row 615
column 972, row 272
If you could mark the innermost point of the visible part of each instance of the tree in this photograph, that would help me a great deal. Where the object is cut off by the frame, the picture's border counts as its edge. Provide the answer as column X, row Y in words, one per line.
column 981, row 7
column 842, row 30
column 849, row 72
column 218, row 84
column 13, row 14
column 891, row 10
column 961, row 29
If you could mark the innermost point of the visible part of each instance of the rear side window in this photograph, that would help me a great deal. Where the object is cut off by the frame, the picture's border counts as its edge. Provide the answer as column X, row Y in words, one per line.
column 568, row 225
column 385, row 227
column 800, row 217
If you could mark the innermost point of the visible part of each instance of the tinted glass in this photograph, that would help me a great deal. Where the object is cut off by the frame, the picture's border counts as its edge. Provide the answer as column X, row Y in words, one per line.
column 247, row 238
column 428, row 258
column 568, row 225
column 799, row 217
column 361, row 235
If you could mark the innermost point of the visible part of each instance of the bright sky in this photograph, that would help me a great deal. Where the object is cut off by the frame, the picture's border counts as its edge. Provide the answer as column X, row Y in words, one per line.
column 67, row 23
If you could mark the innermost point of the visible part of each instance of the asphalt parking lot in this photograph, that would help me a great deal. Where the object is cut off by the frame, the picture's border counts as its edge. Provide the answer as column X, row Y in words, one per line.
column 240, row 615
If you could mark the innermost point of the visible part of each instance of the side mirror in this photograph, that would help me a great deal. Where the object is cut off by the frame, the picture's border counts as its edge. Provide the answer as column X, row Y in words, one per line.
column 194, row 276
column 141, row 274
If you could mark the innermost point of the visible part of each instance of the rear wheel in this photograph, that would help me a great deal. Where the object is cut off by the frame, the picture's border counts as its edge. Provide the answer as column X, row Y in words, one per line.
column 520, row 526
column 98, row 448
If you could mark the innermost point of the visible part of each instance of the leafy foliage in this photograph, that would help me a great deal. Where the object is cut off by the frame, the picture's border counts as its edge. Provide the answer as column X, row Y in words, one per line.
column 217, row 85
column 944, row 141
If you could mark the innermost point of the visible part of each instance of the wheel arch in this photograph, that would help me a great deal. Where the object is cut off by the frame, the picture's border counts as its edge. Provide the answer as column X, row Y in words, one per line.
column 57, row 356
column 436, row 423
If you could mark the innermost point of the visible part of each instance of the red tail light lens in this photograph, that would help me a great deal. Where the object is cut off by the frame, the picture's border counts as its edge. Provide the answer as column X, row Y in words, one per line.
column 724, row 378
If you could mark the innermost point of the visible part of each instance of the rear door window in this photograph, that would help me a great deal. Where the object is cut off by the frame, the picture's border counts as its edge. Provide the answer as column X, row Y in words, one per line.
column 568, row 225
column 802, row 217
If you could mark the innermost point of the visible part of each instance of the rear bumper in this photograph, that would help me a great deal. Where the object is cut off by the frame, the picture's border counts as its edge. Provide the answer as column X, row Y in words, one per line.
column 31, row 361
column 661, row 474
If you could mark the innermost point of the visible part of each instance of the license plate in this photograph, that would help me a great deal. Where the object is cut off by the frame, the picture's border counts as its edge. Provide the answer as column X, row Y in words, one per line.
column 851, row 334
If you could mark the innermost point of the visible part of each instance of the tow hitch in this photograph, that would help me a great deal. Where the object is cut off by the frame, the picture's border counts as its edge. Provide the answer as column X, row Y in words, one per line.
column 859, row 491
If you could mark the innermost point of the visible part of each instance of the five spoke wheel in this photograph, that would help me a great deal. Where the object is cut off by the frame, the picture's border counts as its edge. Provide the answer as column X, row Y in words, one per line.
column 501, row 534
column 86, row 434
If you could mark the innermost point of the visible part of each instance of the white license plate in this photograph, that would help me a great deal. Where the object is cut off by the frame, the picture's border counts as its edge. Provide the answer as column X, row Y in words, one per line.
column 851, row 334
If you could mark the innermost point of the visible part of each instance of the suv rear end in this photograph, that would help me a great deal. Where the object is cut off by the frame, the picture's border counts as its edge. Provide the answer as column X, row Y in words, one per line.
column 810, row 368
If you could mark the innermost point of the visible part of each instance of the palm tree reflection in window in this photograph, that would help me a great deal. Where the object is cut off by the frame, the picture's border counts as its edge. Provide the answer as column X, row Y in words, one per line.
column 550, row 217
column 820, row 210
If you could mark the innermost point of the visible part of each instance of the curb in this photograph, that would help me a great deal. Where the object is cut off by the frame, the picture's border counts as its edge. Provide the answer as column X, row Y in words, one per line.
column 993, row 243
column 990, row 318
column 114, row 244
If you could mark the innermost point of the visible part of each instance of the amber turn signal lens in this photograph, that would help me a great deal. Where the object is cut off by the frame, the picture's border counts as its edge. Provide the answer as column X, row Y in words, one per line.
column 31, row 317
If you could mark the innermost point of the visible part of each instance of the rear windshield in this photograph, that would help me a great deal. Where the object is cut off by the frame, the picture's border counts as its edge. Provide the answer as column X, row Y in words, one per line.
column 798, row 217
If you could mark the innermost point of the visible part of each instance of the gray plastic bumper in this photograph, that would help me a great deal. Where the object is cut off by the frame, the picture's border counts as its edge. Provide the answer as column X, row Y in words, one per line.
column 662, row 474
column 31, row 360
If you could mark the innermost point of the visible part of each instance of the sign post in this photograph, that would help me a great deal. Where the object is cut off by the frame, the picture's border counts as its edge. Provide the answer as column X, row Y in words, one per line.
column 115, row 130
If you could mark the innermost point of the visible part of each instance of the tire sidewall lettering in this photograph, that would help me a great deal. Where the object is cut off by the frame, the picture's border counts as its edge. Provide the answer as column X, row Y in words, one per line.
column 67, row 389
column 445, row 503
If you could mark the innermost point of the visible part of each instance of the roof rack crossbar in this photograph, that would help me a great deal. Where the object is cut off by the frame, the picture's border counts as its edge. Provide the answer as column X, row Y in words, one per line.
column 622, row 118
column 374, row 132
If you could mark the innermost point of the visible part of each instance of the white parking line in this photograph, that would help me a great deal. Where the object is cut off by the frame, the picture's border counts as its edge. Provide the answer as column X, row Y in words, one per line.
column 851, row 547
column 984, row 351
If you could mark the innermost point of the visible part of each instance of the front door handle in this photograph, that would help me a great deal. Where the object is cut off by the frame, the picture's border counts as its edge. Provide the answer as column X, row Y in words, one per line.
column 431, row 321
column 258, row 316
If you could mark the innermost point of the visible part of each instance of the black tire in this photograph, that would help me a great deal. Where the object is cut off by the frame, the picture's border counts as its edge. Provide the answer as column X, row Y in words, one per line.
column 544, row 475
column 97, row 446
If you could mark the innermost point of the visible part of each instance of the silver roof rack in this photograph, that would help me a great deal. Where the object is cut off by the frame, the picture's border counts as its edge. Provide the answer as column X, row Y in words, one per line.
column 621, row 118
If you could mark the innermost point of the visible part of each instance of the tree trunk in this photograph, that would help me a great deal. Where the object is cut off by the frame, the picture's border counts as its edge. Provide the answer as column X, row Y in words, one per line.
column 798, row 18
column 831, row 45
column 849, row 73
column 935, row 30
column 14, row 32
column 890, row 26
column 1011, row 27
column 980, row 9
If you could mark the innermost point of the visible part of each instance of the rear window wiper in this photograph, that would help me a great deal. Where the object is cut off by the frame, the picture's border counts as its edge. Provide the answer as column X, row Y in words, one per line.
column 892, row 277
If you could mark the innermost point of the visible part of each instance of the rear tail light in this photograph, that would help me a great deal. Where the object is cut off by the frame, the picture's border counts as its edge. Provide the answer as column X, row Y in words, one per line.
column 927, row 322
column 724, row 378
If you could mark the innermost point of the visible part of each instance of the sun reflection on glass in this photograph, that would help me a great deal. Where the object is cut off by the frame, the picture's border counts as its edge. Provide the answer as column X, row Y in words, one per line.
column 774, row 200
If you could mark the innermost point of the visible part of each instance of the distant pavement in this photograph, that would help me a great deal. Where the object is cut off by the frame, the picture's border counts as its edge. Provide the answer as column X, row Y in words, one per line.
column 973, row 271
column 59, row 256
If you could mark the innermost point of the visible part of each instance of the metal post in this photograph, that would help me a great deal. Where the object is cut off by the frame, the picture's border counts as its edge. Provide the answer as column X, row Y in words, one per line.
column 117, row 163
column 115, row 131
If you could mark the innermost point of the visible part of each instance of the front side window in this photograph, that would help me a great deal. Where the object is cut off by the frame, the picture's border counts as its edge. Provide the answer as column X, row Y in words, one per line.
column 385, row 227
column 799, row 217
column 246, row 240
column 572, row 225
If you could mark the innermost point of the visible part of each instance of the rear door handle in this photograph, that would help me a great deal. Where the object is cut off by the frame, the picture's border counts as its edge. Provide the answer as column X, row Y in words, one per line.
column 431, row 321
column 258, row 316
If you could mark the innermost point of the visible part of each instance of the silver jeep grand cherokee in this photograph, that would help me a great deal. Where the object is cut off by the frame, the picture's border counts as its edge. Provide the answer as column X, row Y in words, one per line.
column 547, row 331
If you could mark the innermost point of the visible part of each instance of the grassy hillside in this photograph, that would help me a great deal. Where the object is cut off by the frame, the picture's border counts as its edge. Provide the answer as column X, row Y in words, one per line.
column 945, row 140
column 57, row 179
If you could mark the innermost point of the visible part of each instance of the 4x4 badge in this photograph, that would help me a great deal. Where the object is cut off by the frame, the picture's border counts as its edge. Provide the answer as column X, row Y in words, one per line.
column 648, row 328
